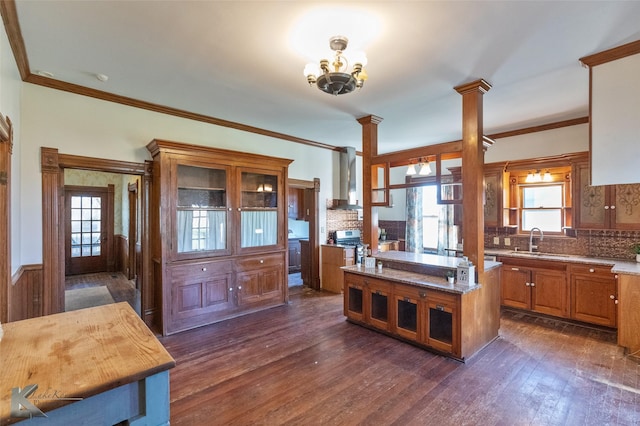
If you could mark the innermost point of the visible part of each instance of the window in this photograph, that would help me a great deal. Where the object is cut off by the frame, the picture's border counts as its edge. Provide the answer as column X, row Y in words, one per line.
column 542, row 206
column 430, row 217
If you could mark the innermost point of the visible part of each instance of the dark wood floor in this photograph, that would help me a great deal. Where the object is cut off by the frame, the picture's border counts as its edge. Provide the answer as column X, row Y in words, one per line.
column 120, row 288
column 303, row 364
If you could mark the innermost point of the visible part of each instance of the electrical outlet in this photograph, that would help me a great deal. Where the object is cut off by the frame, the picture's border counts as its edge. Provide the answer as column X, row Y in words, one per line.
column 507, row 241
column 496, row 241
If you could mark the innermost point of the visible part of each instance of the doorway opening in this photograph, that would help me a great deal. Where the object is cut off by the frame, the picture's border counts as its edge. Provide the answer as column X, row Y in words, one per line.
column 100, row 222
column 126, row 241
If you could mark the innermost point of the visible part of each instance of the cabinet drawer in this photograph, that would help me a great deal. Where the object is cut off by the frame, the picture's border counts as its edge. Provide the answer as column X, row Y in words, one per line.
column 259, row 261
column 592, row 269
column 189, row 271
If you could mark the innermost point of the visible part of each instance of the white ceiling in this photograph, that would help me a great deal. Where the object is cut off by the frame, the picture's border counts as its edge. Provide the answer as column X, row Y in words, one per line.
column 242, row 61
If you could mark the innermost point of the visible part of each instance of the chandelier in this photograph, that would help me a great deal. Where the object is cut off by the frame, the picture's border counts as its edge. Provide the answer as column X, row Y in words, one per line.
column 334, row 78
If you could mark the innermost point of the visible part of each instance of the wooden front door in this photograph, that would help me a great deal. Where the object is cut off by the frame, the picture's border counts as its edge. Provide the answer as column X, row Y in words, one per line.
column 88, row 229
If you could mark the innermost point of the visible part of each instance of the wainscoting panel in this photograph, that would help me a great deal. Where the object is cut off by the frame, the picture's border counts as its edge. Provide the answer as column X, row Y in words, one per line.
column 26, row 293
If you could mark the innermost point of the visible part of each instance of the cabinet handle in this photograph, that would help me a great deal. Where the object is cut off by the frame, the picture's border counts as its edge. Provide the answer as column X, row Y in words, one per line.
column 606, row 207
column 591, row 270
column 239, row 287
column 612, row 297
column 230, row 209
column 515, row 269
column 261, row 260
column 204, row 269
column 423, row 294
column 230, row 288
column 613, row 207
column 615, row 301
column 527, row 284
column 533, row 284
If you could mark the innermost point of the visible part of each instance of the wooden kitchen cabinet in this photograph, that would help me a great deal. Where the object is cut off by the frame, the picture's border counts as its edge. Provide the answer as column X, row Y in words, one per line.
column 628, row 313
column 593, row 294
column 354, row 297
column 260, row 280
column 535, row 285
column 605, row 206
column 378, row 301
column 222, row 207
column 494, row 196
column 201, row 291
column 296, row 204
column 295, row 256
column 442, row 329
column 333, row 258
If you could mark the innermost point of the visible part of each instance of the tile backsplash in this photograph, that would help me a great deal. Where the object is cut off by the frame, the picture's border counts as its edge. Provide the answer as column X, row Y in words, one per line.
column 586, row 242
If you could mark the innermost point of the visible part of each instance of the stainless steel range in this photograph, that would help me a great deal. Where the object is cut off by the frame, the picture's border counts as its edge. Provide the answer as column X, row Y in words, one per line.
column 351, row 237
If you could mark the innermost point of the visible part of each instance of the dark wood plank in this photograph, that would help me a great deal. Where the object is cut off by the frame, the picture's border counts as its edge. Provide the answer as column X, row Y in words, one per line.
column 304, row 364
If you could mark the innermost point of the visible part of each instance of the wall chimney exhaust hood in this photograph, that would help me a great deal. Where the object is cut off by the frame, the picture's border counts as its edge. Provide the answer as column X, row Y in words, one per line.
column 348, row 194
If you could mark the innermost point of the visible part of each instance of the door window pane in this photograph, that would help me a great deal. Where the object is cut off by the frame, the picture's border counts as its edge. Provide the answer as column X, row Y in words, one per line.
column 85, row 226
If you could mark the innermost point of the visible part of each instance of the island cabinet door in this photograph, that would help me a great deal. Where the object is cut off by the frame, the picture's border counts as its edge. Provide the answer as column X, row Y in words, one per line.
column 354, row 297
column 442, row 329
column 516, row 287
column 409, row 313
column 378, row 301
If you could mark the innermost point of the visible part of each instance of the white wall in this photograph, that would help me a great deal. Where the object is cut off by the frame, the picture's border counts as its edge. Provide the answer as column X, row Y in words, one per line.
column 10, row 91
column 84, row 126
column 540, row 144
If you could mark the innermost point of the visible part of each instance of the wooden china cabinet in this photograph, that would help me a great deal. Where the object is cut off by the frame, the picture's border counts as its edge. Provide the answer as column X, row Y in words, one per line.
column 219, row 233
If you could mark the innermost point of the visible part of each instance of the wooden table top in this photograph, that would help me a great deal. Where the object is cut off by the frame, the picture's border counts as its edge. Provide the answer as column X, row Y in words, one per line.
column 77, row 354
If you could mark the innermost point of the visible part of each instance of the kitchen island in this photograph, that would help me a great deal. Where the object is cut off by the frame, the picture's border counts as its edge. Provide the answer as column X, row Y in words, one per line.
column 99, row 365
column 410, row 299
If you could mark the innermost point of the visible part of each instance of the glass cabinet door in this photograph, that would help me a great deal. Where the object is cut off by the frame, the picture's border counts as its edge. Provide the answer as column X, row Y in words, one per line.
column 258, row 209
column 201, row 213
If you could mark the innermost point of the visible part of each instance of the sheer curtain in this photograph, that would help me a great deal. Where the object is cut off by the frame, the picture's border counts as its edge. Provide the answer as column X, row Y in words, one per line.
column 414, row 220
column 447, row 231
column 259, row 228
column 215, row 237
column 185, row 230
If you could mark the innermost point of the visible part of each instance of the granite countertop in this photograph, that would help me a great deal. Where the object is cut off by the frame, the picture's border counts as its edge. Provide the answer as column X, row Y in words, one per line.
column 411, row 278
column 427, row 259
column 618, row 266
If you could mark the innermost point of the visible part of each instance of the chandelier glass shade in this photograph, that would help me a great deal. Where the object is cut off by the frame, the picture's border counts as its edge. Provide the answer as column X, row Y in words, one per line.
column 334, row 77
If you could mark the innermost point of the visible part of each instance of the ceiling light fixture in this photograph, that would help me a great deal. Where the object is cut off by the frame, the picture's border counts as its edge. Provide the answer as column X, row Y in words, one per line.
column 334, row 78
column 547, row 176
column 425, row 169
column 411, row 170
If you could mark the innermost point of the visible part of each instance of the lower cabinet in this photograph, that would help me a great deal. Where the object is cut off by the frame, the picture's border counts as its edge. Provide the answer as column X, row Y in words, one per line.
column 536, row 286
column 333, row 257
column 295, row 256
column 207, row 292
column 629, row 314
column 427, row 317
column 593, row 294
column 583, row 292
column 200, row 293
column 259, row 280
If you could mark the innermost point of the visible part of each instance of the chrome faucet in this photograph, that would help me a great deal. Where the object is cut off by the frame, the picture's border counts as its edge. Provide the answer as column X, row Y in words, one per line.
column 531, row 246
